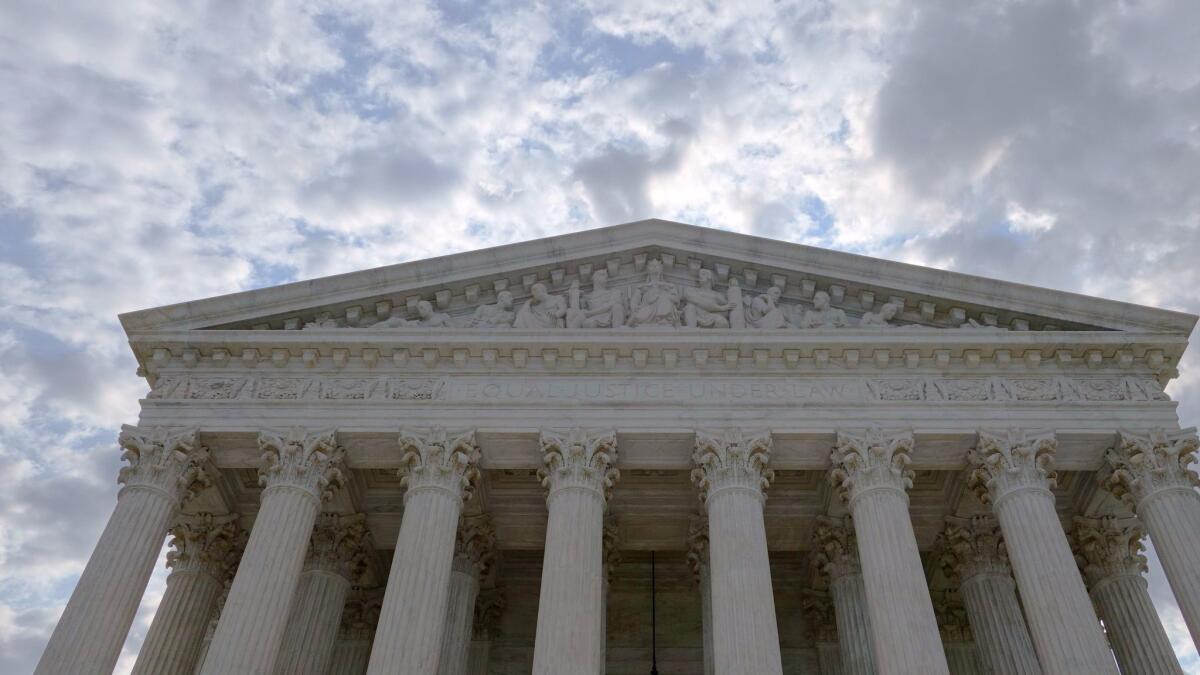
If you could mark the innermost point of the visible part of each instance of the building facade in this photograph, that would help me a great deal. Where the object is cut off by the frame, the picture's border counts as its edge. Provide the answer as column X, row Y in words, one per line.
column 840, row 465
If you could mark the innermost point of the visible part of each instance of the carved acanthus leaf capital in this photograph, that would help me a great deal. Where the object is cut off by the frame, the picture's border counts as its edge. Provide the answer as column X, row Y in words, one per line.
column 1108, row 547
column 579, row 458
column 488, row 606
column 732, row 458
column 298, row 458
column 1009, row 460
column 835, row 548
column 206, row 543
column 876, row 458
column 972, row 546
column 697, row 554
column 340, row 544
column 1143, row 464
column 475, row 547
column 437, row 458
column 168, row 461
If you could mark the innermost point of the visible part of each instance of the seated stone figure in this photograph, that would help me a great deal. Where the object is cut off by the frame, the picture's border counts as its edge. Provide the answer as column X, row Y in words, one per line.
column 655, row 302
column 499, row 315
column 764, row 310
column 822, row 315
column 426, row 318
column 705, row 307
column 602, row 308
column 882, row 318
column 542, row 310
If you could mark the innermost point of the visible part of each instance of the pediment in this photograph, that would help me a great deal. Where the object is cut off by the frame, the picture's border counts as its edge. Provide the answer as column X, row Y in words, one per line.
column 469, row 291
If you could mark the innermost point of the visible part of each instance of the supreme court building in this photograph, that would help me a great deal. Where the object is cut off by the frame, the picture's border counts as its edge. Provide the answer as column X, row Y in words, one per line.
column 840, row 466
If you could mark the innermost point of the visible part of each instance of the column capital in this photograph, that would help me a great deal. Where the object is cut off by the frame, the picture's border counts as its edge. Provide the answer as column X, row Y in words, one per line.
column 1108, row 547
column 732, row 458
column 340, row 544
column 579, row 458
column 1012, row 460
column 697, row 541
column 1144, row 464
column 206, row 543
column 871, row 460
column 835, row 549
column 301, row 459
column 488, row 606
column 820, row 618
column 475, row 547
column 168, row 461
column 974, row 546
column 439, row 459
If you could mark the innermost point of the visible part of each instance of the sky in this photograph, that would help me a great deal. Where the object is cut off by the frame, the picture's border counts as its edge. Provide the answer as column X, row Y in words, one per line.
column 157, row 152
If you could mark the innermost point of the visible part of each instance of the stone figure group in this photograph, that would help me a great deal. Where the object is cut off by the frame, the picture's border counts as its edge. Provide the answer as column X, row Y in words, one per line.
column 655, row 301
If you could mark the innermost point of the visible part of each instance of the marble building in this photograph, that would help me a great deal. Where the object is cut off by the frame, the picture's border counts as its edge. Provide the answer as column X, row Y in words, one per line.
column 842, row 466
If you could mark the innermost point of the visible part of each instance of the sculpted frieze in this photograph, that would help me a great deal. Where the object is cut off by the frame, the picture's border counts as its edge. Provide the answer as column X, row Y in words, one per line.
column 703, row 299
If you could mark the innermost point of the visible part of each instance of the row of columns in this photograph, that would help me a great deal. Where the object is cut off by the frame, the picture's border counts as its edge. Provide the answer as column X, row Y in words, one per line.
column 423, row 602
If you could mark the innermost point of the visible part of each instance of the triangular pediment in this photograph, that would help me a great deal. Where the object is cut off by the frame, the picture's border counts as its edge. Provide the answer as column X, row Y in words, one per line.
column 470, row 291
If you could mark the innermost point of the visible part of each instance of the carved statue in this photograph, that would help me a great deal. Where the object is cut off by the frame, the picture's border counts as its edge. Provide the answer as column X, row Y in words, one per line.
column 705, row 308
column 882, row 318
column 602, row 308
column 426, row 318
column 499, row 315
column 655, row 302
column 764, row 311
column 822, row 315
column 542, row 310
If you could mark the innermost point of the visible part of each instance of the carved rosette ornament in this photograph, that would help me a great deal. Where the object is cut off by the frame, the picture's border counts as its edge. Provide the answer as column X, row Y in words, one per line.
column 972, row 546
column 1108, row 547
column 206, row 543
column 435, row 458
column 579, row 458
column 1146, row 464
column 835, row 549
column 1011, row 461
column 697, row 541
column 169, row 462
column 732, row 459
column 875, row 459
column 475, row 547
column 340, row 544
column 301, row 459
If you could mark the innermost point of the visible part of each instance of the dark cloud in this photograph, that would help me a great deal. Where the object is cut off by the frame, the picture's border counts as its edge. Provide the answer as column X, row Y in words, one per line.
column 616, row 179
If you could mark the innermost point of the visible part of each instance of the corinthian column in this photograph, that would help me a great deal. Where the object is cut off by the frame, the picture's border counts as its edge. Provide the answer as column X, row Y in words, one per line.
column 1110, row 552
column 732, row 475
column 835, row 555
column 474, row 553
column 871, row 473
column 338, row 556
column 973, row 554
column 164, row 471
column 697, row 557
column 299, row 470
column 579, row 473
column 204, row 551
column 1150, row 472
column 440, row 470
column 1014, row 474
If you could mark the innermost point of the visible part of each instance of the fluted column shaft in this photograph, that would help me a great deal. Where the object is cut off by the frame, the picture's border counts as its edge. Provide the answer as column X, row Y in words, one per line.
column 1001, row 636
column 960, row 657
column 460, row 619
column 252, row 624
column 350, row 653
column 829, row 658
column 1134, row 629
column 853, row 625
column 163, row 473
column 172, row 645
column 440, row 469
column 313, row 623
